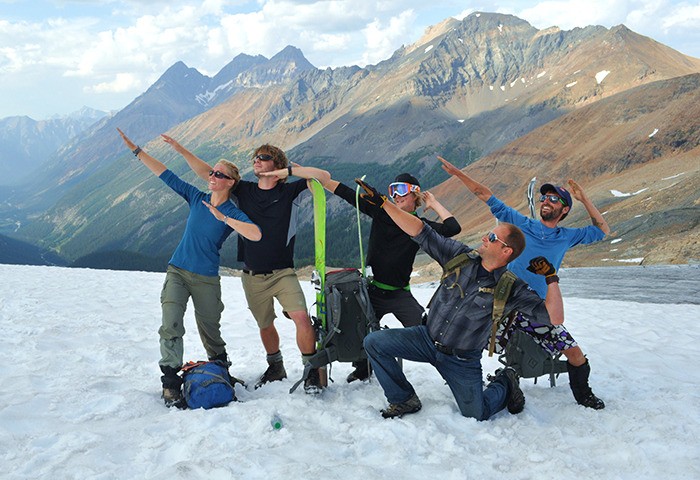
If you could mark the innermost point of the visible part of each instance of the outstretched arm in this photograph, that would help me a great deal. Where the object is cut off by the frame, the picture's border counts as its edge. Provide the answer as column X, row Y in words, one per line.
column 481, row 191
column 198, row 166
column 249, row 230
column 153, row 165
column 331, row 185
column 302, row 172
column 410, row 224
column 596, row 217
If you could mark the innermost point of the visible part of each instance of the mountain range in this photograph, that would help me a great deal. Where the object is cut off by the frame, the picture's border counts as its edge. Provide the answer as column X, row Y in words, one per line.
column 26, row 143
column 615, row 110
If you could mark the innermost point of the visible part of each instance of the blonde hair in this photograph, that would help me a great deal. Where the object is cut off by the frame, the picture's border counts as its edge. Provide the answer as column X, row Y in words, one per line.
column 420, row 198
column 232, row 171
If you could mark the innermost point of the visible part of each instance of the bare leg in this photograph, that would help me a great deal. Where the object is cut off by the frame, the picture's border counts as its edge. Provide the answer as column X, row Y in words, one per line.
column 306, row 338
column 575, row 356
column 270, row 339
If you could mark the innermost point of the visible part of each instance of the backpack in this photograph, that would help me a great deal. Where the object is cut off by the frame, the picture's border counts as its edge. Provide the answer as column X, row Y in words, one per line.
column 207, row 384
column 501, row 292
column 349, row 318
column 522, row 353
column 529, row 360
column 349, row 315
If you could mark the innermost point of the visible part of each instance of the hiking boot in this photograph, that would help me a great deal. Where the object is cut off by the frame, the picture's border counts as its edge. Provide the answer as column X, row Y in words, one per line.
column 591, row 401
column 361, row 371
column 173, row 398
column 516, row 398
column 222, row 357
column 312, row 384
column 274, row 373
column 578, row 381
column 412, row 405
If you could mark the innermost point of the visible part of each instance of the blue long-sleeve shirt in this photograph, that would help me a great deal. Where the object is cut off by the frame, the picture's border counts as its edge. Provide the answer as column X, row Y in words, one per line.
column 198, row 250
column 541, row 241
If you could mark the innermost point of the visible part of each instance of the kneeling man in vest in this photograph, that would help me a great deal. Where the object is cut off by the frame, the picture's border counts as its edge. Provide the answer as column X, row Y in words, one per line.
column 459, row 322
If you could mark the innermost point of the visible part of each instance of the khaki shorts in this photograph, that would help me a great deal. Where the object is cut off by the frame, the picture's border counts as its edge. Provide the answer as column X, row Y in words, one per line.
column 281, row 284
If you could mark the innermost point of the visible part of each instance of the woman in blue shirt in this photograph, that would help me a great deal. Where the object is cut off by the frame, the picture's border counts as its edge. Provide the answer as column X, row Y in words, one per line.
column 193, row 269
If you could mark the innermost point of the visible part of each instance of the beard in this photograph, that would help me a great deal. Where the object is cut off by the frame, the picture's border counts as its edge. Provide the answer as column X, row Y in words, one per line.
column 553, row 214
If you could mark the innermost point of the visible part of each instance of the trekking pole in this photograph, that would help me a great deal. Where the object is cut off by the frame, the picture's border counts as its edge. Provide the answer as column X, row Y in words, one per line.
column 359, row 228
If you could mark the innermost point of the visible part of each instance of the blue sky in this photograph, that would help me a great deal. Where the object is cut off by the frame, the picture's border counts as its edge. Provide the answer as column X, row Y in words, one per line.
column 57, row 56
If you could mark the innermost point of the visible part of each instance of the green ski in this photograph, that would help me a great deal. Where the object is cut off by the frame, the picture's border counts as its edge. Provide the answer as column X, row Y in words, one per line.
column 319, row 274
column 318, row 277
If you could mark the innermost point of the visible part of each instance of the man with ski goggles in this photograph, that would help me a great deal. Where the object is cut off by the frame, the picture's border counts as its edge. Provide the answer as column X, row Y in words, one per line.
column 401, row 189
column 391, row 252
column 457, row 326
column 546, row 238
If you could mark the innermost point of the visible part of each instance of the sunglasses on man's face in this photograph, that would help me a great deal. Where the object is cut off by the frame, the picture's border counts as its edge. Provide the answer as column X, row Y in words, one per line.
column 402, row 189
column 492, row 237
column 553, row 199
column 263, row 157
column 219, row 174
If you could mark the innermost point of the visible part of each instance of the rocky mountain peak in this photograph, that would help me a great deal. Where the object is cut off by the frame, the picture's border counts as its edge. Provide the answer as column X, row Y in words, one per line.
column 291, row 54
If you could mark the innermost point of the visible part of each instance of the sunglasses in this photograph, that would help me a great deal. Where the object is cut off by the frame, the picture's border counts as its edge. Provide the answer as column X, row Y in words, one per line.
column 219, row 174
column 492, row 237
column 263, row 157
column 402, row 189
column 553, row 199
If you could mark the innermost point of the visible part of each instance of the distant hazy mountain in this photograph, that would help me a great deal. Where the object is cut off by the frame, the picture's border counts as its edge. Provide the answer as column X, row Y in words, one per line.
column 470, row 90
column 26, row 143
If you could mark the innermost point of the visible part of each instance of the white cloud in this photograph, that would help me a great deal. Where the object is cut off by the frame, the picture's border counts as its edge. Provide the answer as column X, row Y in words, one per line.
column 95, row 46
column 381, row 38
column 123, row 82
column 572, row 13
column 464, row 13
column 684, row 16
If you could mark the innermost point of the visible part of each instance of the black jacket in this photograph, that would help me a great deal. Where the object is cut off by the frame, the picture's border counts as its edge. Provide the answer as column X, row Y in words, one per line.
column 391, row 252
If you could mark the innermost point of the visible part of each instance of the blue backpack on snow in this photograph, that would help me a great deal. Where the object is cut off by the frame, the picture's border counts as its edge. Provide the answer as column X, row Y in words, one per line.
column 207, row 384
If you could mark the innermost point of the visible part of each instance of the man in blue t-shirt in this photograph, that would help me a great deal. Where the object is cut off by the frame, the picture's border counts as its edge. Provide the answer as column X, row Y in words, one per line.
column 546, row 238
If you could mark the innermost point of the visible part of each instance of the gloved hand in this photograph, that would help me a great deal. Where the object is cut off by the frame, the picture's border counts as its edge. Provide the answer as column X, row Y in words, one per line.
column 541, row 266
column 371, row 195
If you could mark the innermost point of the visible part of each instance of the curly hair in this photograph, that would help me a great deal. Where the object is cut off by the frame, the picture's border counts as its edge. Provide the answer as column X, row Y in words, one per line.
column 279, row 158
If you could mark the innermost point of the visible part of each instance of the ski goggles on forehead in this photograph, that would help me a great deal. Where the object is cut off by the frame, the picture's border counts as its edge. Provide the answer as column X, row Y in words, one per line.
column 402, row 189
column 553, row 199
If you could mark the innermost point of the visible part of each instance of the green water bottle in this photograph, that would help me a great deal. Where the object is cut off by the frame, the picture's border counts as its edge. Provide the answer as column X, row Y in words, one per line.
column 276, row 422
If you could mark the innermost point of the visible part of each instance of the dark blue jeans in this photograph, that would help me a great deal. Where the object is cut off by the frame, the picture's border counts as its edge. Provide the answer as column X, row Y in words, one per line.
column 462, row 374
